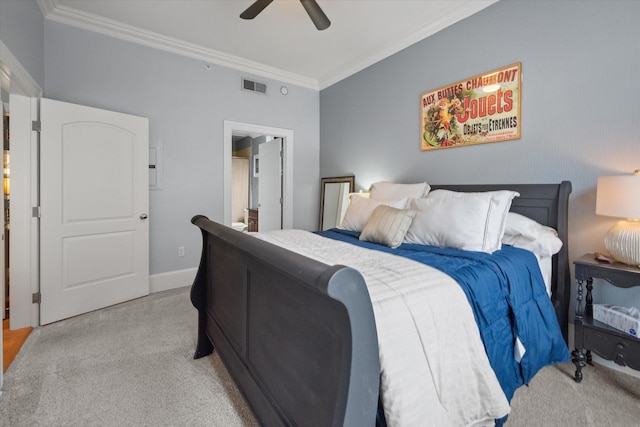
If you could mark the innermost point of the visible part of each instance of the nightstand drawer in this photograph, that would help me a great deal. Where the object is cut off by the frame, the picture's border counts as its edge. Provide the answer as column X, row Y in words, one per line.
column 612, row 344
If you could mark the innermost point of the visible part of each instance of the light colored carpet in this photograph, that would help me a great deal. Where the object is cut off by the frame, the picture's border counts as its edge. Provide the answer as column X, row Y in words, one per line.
column 553, row 399
column 132, row 365
column 127, row 365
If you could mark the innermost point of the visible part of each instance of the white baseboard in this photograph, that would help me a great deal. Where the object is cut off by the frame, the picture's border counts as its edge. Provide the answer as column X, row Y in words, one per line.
column 171, row 280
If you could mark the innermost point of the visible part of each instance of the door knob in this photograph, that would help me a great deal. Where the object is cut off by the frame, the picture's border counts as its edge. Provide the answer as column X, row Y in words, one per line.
column 143, row 216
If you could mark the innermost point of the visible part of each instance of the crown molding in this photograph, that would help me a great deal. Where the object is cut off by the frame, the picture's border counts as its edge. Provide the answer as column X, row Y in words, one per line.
column 69, row 16
column 53, row 11
column 14, row 78
column 47, row 6
column 466, row 9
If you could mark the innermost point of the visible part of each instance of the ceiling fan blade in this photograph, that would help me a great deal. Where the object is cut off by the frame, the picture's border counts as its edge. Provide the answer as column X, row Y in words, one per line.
column 316, row 14
column 253, row 10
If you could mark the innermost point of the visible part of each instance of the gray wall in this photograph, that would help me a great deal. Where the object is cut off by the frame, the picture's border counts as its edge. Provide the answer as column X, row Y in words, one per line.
column 186, row 105
column 580, row 109
column 22, row 31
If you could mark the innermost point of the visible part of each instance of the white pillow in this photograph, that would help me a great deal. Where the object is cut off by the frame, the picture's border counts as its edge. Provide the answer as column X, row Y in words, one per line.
column 469, row 221
column 392, row 191
column 360, row 209
column 525, row 233
column 387, row 226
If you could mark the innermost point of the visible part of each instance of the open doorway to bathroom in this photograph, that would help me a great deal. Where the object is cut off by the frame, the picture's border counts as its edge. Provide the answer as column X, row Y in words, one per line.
column 256, row 187
column 243, row 141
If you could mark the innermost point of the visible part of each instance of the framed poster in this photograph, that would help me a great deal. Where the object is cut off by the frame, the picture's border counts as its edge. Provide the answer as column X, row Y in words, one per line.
column 481, row 109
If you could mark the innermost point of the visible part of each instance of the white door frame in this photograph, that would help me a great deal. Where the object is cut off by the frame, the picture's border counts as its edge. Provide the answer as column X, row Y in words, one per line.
column 230, row 128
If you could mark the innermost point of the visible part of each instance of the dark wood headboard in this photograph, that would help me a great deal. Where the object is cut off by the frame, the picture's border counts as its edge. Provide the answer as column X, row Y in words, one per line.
column 547, row 204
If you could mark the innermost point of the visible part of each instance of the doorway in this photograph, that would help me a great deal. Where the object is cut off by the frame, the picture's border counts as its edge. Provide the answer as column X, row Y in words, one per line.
column 256, row 186
column 14, row 329
column 15, row 80
column 255, row 131
column 5, row 213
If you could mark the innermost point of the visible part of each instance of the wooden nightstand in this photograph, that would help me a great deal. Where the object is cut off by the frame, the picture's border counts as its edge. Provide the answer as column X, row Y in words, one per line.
column 591, row 335
column 252, row 224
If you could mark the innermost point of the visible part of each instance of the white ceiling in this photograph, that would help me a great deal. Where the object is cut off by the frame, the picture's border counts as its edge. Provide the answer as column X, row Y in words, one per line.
column 281, row 42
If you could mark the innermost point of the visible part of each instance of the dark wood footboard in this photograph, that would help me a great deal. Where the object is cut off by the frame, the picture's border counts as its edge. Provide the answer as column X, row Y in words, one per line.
column 284, row 326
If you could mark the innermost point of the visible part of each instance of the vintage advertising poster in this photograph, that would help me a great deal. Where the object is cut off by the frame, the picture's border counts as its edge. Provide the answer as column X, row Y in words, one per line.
column 481, row 109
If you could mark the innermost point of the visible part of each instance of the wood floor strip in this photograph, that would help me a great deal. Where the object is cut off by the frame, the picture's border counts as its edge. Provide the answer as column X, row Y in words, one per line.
column 12, row 341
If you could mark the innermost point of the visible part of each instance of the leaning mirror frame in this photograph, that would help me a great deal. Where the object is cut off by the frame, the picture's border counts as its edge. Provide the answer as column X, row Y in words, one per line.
column 334, row 198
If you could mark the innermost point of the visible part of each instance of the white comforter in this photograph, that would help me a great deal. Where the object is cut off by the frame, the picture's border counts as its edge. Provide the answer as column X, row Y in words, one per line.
column 434, row 370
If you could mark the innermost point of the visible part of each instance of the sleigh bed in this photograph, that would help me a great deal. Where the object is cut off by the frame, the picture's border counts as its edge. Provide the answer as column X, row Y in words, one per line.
column 300, row 339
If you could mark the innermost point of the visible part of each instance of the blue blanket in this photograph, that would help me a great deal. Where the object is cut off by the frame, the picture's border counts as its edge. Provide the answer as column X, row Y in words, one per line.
column 508, row 297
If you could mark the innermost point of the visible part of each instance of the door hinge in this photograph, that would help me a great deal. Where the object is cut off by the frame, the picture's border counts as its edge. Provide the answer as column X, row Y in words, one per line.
column 36, row 298
column 36, row 126
column 35, row 212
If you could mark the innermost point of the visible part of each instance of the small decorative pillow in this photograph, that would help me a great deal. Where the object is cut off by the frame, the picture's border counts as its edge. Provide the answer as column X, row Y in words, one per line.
column 393, row 191
column 360, row 209
column 387, row 226
column 525, row 233
column 469, row 221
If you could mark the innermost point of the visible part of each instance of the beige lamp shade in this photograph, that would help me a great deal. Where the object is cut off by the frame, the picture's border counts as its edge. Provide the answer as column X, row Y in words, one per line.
column 619, row 196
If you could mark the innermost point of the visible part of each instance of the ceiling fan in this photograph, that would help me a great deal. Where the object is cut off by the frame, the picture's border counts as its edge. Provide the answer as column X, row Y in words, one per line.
column 314, row 11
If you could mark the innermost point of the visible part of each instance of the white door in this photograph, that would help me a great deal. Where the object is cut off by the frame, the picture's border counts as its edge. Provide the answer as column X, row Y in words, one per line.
column 94, row 244
column 270, row 186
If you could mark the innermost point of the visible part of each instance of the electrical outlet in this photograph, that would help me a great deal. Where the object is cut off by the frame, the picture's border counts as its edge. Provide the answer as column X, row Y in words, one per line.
column 180, row 250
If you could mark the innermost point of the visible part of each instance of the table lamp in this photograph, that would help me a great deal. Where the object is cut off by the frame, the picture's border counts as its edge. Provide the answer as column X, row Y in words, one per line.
column 619, row 196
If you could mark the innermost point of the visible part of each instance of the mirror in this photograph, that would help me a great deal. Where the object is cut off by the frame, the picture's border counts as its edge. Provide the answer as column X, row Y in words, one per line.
column 334, row 199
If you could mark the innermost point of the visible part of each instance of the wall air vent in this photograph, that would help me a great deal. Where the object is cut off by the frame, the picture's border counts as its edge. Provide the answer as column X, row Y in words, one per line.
column 251, row 86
